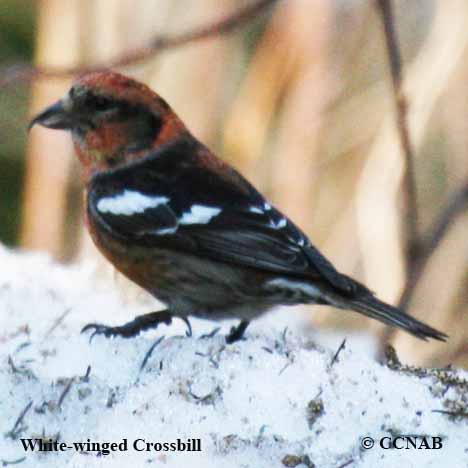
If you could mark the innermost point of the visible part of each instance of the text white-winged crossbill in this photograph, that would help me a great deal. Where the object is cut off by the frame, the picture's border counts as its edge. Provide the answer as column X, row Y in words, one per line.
column 185, row 226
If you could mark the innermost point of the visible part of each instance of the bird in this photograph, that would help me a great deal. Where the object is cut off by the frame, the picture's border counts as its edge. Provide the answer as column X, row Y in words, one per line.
column 186, row 226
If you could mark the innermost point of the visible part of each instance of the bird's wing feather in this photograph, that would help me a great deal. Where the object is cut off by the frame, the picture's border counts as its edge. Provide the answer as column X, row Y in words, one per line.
column 201, row 212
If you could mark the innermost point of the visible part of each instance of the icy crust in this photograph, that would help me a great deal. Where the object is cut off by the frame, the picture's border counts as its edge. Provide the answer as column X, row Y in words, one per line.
column 271, row 401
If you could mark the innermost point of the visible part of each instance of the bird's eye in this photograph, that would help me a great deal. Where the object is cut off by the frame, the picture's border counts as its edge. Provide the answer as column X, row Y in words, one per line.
column 101, row 103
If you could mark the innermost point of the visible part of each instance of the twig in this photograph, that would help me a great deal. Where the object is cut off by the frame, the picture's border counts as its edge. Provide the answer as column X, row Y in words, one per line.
column 85, row 378
column 26, row 72
column 150, row 352
column 65, row 392
column 457, row 204
column 285, row 366
column 12, row 462
column 338, row 351
column 401, row 105
column 211, row 334
column 347, row 463
column 20, row 370
column 57, row 322
column 455, row 414
column 13, row 433
column 14, row 369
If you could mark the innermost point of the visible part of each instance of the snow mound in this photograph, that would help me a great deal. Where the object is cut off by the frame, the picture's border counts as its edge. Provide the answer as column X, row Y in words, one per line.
column 274, row 400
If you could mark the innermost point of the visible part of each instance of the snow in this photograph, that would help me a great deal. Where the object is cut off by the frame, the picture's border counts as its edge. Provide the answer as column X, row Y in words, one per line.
column 273, row 400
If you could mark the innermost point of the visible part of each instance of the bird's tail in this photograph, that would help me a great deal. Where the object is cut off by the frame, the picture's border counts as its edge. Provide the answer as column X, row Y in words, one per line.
column 372, row 307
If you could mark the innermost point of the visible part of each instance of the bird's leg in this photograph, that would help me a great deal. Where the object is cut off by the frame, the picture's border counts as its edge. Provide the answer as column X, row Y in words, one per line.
column 132, row 328
column 237, row 333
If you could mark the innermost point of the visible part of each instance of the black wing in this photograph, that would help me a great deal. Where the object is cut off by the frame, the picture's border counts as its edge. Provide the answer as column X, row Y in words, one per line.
column 169, row 199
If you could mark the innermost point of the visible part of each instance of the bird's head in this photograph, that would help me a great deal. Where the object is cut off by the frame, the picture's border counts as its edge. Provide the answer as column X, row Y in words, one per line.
column 113, row 119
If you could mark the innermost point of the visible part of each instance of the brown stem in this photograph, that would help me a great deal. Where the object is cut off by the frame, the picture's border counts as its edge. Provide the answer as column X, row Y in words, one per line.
column 223, row 26
column 412, row 216
column 456, row 205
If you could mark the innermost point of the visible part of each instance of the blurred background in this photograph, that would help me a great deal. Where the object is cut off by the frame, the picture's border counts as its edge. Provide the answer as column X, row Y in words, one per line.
column 299, row 98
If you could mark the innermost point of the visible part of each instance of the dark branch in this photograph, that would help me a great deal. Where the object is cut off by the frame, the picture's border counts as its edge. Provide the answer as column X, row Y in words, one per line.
column 412, row 216
column 26, row 72
column 456, row 205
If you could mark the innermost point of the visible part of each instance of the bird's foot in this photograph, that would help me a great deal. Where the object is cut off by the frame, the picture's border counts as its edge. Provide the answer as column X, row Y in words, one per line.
column 132, row 328
column 237, row 333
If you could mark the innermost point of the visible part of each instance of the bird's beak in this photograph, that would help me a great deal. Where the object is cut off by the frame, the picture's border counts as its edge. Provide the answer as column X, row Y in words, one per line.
column 55, row 116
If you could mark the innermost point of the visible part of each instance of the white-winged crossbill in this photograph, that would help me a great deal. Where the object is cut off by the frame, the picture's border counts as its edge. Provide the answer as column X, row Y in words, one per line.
column 185, row 226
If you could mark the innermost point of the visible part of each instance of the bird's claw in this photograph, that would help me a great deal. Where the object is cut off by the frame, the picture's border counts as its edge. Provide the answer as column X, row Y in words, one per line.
column 100, row 329
column 188, row 332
